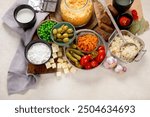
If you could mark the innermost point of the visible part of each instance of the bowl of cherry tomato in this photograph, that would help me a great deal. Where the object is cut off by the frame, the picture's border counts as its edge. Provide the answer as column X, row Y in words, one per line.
column 84, row 60
column 124, row 21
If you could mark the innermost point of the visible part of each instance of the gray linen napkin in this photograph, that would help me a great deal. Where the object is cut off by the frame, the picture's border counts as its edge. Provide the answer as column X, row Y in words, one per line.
column 18, row 79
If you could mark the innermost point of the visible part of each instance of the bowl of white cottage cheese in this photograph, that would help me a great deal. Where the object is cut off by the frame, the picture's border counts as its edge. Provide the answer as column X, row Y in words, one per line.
column 38, row 52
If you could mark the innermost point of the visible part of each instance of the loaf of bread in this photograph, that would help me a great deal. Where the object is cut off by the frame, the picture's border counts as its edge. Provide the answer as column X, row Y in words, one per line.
column 105, row 27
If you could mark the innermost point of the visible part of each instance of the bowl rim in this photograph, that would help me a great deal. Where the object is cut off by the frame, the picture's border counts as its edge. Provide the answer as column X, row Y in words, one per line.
column 103, row 43
column 71, row 39
column 41, row 24
column 32, row 42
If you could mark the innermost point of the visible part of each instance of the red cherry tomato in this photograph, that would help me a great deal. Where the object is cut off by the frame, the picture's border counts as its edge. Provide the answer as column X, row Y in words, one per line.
column 101, row 48
column 100, row 58
column 84, row 60
column 101, row 52
column 94, row 63
column 88, row 66
column 89, row 57
column 134, row 14
column 124, row 21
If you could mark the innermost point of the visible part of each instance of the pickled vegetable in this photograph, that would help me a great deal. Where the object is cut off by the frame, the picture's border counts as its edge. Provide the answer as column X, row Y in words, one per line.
column 76, row 51
column 55, row 31
column 77, row 12
column 71, row 57
column 77, row 64
column 69, row 30
column 70, row 35
column 74, row 46
column 59, row 30
column 76, row 56
column 65, row 28
column 65, row 40
column 58, row 35
column 63, row 33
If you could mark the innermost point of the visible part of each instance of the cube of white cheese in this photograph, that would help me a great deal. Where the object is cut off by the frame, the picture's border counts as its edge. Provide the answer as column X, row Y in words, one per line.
column 54, row 65
column 48, row 65
column 69, row 65
column 51, row 60
column 59, row 54
column 54, row 45
column 66, row 70
column 64, row 65
column 73, row 70
column 54, row 55
column 60, row 60
column 55, row 49
column 60, row 49
column 59, row 65
column 64, row 58
column 58, row 74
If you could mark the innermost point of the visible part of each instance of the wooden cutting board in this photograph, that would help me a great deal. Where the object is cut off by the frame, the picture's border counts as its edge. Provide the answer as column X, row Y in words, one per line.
column 41, row 69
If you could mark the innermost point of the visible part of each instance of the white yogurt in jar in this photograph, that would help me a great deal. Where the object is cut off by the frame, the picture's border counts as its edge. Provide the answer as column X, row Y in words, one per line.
column 38, row 53
column 25, row 15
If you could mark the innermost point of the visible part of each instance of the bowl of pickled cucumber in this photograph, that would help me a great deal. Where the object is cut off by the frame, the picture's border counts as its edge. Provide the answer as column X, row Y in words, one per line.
column 63, row 33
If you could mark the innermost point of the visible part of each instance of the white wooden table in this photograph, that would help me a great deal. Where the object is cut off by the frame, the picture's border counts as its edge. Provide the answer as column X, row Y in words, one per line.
column 95, row 84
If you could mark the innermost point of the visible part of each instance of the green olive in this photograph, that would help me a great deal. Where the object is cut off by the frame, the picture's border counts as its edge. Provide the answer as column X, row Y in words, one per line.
column 70, row 30
column 62, row 26
column 65, row 28
column 70, row 35
column 65, row 35
column 59, row 40
column 74, row 46
column 59, row 30
column 59, row 35
column 55, row 31
column 66, row 40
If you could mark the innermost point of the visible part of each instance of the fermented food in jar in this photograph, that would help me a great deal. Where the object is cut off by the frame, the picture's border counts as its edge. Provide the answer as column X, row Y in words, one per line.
column 77, row 12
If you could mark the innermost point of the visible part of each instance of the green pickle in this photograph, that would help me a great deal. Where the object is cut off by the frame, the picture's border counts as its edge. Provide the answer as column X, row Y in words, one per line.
column 71, row 57
column 76, row 51
column 76, row 56
column 77, row 64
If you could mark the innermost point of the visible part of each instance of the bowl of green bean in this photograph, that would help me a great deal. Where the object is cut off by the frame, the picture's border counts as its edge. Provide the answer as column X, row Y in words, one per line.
column 44, row 30
column 63, row 33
